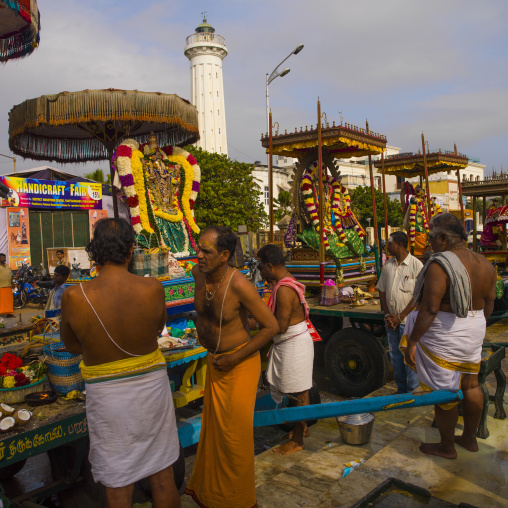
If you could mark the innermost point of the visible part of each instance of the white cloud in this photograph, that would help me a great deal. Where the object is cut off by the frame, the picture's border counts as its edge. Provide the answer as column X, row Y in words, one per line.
column 406, row 65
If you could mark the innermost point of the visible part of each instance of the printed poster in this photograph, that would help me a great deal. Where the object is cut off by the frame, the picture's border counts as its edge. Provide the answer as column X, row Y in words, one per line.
column 95, row 216
column 18, row 236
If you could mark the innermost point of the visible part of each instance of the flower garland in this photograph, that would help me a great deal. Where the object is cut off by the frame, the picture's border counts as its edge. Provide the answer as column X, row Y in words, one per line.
column 436, row 209
column 310, row 200
column 192, row 181
column 416, row 205
column 130, row 170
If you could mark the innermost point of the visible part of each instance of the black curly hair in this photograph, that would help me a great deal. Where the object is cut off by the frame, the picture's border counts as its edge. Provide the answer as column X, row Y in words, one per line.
column 112, row 242
column 271, row 253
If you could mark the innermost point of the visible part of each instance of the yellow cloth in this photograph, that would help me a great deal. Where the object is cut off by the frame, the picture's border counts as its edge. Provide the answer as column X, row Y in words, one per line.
column 5, row 276
column 122, row 368
column 6, row 301
column 449, row 349
column 223, row 473
column 420, row 244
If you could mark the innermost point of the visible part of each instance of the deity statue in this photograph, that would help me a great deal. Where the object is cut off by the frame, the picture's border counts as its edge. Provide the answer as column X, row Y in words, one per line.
column 160, row 187
column 342, row 232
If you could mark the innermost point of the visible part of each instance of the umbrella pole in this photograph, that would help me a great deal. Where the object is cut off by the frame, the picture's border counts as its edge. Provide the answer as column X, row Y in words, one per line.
column 321, row 197
column 460, row 199
column 426, row 179
column 475, row 242
column 384, row 197
column 110, row 148
column 503, row 197
column 373, row 194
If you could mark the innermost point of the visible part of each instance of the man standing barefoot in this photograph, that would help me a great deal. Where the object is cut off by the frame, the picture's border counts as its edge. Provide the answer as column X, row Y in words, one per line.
column 223, row 473
column 455, row 293
column 114, row 321
column 290, row 362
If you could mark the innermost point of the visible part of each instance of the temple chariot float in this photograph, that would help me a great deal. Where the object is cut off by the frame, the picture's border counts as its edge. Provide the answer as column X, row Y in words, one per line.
column 417, row 204
column 341, row 248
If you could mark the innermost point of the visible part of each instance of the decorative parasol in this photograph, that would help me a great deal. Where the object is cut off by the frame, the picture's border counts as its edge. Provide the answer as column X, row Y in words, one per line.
column 341, row 142
column 498, row 216
column 410, row 165
column 88, row 125
column 19, row 28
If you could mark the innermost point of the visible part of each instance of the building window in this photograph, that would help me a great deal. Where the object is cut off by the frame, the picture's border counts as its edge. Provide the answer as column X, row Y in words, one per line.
column 267, row 196
column 400, row 182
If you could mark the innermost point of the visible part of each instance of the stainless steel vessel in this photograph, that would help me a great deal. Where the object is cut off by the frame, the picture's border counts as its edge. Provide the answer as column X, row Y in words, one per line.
column 356, row 429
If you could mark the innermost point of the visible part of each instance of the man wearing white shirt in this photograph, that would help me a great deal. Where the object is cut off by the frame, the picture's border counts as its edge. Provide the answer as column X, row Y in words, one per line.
column 396, row 286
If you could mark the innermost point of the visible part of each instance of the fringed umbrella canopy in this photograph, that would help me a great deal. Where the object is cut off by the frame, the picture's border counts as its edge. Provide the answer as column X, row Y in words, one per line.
column 409, row 165
column 19, row 28
column 341, row 142
column 86, row 126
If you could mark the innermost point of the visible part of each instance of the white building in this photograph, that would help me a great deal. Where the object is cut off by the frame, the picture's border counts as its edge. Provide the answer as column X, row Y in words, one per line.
column 282, row 177
column 206, row 50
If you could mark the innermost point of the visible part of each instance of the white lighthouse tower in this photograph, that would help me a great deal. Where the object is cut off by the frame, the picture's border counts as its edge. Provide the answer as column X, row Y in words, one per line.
column 206, row 50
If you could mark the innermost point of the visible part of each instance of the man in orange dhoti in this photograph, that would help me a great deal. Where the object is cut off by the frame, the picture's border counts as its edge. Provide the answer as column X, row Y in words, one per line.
column 6, row 299
column 223, row 473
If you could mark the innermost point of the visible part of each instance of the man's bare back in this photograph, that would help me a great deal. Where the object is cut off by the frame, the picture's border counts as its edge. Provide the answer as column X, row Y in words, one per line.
column 132, row 309
column 289, row 310
column 482, row 276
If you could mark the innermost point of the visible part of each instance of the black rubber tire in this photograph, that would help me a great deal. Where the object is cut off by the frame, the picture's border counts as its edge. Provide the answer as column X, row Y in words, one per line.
column 20, row 300
column 315, row 398
column 326, row 326
column 376, row 329
column 8, row 471
column 356, row 361
column 178, row 470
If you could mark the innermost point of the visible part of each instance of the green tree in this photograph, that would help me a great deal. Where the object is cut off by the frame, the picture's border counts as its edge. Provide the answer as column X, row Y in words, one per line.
column 228, row 194
column 361, row 203
column 98, row 176
column 283, row 205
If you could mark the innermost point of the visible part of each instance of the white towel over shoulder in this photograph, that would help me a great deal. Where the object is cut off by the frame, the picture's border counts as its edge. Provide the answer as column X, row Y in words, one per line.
column 290, row 362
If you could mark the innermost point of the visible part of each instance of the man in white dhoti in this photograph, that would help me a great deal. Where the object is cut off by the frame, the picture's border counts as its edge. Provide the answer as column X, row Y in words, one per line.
column 455, row 294
column 291, row 357
column 114, row 321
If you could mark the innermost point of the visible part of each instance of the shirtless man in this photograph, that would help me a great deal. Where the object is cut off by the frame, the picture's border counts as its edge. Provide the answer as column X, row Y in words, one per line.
column 291, row 358
column 443, row 358
column 223, row 473
column 117, row 317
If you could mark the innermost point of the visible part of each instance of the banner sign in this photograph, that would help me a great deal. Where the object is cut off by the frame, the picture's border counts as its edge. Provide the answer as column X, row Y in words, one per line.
column 18, row 236
column 52, row 194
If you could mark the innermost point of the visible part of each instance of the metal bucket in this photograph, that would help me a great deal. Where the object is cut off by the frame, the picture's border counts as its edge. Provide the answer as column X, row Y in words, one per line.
column 356, row 429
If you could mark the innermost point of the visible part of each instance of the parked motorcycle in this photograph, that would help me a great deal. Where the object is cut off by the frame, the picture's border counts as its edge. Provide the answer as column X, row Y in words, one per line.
column 26, row 289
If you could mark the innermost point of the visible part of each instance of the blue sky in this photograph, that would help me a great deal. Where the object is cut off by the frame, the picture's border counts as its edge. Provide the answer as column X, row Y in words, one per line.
column 408, row 66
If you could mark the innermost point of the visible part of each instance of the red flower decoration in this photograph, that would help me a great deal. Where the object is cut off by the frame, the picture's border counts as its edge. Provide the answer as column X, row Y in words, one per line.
column 135, row 220
column 124, row 151
column 133, row 201
column 11, row 361
column 180, row 291
column 168, row 150
column 21, row 380
column 191, row 160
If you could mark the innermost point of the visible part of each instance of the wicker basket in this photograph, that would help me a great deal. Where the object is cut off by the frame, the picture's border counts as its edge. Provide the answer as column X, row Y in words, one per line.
column 63, row 369
column 17, row 394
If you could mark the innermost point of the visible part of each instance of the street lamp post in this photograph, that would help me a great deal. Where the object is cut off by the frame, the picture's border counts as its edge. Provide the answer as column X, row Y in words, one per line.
column 9, row 157
column 269, row 78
